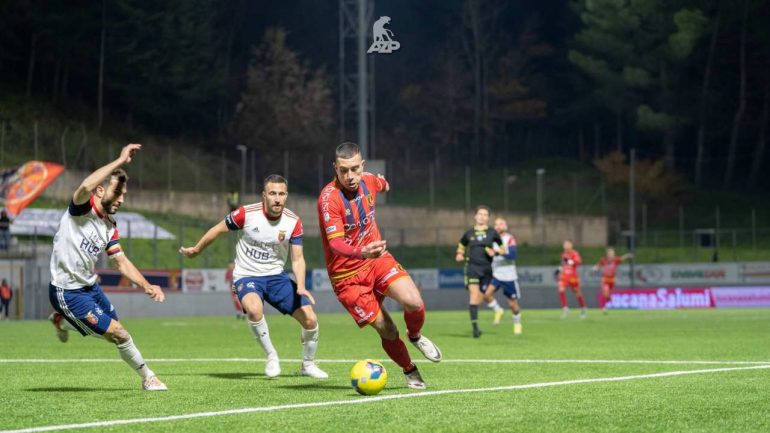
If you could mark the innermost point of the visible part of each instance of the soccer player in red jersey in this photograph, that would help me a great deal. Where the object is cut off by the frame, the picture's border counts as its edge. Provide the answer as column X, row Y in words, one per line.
column 361, row 269
column 609, row 265
column 569, row 277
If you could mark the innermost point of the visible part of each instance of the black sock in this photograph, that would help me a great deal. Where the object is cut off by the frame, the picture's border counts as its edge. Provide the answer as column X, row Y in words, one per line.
column 474, row 310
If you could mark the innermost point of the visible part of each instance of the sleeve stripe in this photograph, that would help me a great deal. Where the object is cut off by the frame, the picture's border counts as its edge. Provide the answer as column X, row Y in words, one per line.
column 334, row 235
column 79, row 209
column 114, row 249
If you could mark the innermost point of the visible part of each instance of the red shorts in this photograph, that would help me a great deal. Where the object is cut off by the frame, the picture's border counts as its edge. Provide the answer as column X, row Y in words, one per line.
column 608, row 283
column 362, row 293
column 570, row 281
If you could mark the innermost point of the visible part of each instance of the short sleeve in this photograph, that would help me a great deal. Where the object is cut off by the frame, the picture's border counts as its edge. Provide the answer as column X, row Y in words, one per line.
column 236, row 219
column 464, row 240
column 296, row 235
column 79, row 209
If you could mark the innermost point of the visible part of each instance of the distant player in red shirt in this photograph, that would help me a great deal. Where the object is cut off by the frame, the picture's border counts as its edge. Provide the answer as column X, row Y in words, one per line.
column 609, row 265
column 569, row 277
column 361, row 269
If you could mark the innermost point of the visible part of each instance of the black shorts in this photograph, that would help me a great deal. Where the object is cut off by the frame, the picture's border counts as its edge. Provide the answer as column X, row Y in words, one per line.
column 481, row 275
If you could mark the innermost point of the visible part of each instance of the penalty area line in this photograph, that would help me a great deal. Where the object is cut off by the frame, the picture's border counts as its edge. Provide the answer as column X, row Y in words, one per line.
column 365, row 400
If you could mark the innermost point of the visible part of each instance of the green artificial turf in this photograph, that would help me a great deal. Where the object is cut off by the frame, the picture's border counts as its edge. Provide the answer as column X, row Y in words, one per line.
column 99, row 387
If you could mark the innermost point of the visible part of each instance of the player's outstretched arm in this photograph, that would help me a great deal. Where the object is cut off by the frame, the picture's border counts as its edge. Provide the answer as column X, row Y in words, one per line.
column 128, row 270
column 299, row 267
column 205, row 241
column 627, row 256
column 83, row 192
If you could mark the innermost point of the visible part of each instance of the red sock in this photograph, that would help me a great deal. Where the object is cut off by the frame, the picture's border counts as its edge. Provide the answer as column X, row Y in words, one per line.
column 563, row 298
column 581, row 301
column 414, row 321
column 396, row 350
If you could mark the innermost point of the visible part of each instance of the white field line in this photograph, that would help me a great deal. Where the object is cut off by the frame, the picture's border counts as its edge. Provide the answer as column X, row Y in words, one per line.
column 364, row 400
column 345, row 361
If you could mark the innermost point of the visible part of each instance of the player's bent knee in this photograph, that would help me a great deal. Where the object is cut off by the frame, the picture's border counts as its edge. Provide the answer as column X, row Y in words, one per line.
column 413, row 305
column 117, row 334
column 254, row 316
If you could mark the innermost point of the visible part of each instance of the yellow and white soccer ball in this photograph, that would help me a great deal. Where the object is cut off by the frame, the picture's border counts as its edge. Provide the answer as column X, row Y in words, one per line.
column 368, row 377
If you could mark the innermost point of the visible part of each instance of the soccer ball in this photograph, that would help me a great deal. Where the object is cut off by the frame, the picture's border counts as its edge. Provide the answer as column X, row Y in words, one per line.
column 368, row 377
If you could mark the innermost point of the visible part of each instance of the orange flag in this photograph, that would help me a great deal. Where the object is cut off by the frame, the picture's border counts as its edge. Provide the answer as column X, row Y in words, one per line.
column 20, row 187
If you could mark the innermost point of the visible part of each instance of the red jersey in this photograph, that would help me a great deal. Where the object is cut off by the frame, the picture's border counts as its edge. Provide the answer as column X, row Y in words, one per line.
column 567, row 269
column 609, row 267
column 351, row 216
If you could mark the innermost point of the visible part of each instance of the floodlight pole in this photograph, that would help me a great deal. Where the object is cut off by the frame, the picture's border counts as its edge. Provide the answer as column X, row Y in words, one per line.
column 632, row 212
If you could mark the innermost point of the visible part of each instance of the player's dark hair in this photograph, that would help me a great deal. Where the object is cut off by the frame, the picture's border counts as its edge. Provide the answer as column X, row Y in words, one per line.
column 275, row 178
column 118, row 174
column 481, row 206
column 347, row 150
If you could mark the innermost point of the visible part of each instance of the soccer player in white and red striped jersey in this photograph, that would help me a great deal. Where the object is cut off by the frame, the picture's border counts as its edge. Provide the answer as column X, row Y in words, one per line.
column 85, row 231
column 504, row 274
column 268, row 232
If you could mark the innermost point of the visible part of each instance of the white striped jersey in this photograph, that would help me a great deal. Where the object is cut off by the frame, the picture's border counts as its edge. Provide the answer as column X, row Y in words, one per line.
column 264, row 243
column 83, row 234
column 504, row 266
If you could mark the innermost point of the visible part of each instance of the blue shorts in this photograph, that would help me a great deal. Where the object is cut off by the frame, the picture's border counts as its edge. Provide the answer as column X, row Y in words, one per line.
column 277, row 290
column 510, row 288
column 87, row 309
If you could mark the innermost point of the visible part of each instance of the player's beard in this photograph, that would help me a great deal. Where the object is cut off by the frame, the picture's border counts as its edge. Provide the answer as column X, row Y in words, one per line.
column 273, row 213
column 110, row 207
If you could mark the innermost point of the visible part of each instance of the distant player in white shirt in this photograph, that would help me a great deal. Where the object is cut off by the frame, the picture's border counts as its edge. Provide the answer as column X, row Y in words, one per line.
column 85, row 231
column 504, row 273
column 268, row 232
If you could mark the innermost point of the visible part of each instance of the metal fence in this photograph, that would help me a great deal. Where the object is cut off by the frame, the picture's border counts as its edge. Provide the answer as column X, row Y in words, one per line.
column 432, row 247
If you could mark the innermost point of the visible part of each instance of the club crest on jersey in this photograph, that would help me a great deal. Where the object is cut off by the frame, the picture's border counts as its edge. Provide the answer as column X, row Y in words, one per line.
column 240, row 287
column 347, row 212
column 91, row 318
column 370, row 199
column 281, row 235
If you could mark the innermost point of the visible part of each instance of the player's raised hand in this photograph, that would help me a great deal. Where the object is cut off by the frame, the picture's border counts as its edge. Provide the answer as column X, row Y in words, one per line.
column 374, row 249
column 189, row 252
column 302, row 291
column 459, row 257
column 127, row 153
column 155, row 293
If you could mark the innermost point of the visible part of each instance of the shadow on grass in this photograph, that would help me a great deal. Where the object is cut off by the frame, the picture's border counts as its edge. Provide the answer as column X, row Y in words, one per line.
column 316, row 385
column 235, row 375
column 75, row 389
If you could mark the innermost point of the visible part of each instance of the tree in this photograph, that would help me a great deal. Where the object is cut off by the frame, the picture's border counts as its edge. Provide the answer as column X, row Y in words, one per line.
column 285, row 103
column 636, row 52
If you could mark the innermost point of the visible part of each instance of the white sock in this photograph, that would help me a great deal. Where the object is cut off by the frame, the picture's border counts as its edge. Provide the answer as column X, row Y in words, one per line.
column 309, row 343
column 262, row 333
column 134, row 359
column 494, row 305
column 517, row 318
